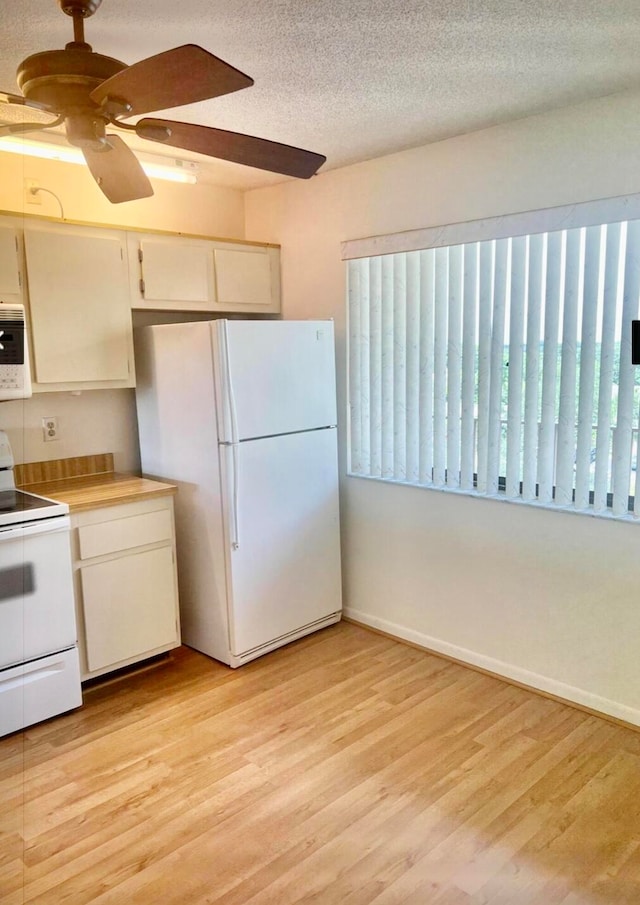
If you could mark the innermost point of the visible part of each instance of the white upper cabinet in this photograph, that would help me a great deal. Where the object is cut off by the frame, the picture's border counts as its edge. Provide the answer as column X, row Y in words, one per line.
column 79, row 308
column 10, row 276
column 170, row 273
column 79, row 284
column 247, row 278
column 176, row 273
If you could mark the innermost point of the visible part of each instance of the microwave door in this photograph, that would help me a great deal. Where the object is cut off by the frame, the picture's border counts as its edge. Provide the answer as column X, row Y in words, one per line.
column 15, row 377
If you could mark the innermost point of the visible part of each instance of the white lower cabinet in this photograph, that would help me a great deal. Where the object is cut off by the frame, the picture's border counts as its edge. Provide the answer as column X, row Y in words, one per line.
column 125, row 584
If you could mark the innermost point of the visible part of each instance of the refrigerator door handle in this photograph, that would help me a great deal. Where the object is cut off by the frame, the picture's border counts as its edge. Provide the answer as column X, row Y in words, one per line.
column 231, row 400
column 235, row 539
column 232, row 480
column 231, row 403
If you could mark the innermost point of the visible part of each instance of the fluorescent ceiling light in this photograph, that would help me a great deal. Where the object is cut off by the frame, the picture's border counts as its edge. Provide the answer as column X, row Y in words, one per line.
column 180, row 171
column 177, row 171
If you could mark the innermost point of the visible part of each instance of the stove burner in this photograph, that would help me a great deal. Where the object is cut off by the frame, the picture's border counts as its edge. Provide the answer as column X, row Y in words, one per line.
column 8, row 501
column 17, row 507
column 20, row 501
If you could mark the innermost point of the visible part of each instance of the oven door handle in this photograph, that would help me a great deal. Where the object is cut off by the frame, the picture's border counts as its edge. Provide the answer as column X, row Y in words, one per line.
column 32, row 529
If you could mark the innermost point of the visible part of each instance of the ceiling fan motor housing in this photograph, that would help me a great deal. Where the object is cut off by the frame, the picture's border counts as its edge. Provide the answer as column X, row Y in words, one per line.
column 84, row 8
column 64, row 79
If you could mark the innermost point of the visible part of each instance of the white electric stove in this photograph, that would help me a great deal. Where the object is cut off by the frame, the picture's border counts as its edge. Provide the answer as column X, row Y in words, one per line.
column 39, row 666
column 18, row 507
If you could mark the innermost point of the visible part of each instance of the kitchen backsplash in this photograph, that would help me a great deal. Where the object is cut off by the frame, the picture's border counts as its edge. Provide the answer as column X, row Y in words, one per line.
column 87, row 424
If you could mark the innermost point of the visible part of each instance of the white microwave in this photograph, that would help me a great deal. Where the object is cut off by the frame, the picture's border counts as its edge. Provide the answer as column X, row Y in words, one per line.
column 15, row 376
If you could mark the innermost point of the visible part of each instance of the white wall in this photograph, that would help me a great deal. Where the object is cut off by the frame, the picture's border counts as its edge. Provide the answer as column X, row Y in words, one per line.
column 94, row 422
column 202, row 208
column 544, row 597
column 101, row 420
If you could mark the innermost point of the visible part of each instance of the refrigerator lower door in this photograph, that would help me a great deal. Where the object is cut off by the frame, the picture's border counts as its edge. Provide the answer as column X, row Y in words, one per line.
column 284, row 547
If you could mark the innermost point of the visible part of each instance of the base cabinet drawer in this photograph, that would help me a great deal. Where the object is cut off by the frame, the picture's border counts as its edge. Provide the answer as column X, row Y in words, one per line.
column 123, row 533
column 125, row 584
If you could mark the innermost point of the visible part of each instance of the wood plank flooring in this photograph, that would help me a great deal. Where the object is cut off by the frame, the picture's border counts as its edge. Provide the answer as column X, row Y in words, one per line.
column 344, row 769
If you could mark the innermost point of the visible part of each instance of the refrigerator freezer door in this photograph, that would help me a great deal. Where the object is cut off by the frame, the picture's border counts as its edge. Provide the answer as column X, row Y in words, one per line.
column 278, row 376
column 285, row 571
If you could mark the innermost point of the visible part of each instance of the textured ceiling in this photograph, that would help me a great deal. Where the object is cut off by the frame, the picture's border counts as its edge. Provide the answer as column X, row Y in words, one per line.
column 356, row 79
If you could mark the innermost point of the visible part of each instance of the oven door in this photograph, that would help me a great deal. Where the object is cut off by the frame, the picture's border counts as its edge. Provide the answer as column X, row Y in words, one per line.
column 37, row 614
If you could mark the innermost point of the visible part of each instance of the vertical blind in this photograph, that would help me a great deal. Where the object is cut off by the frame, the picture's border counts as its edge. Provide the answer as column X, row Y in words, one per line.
column 501, row 367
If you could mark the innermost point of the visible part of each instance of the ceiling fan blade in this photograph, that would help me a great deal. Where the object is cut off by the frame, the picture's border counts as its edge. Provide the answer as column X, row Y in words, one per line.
column 7, row 98
column 180, row 76
column 21, row 128
column 15, row 110
column 118, row 172
column 245, row 149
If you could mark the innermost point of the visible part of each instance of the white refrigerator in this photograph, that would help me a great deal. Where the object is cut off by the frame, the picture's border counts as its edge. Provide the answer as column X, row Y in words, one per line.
column 241, row 415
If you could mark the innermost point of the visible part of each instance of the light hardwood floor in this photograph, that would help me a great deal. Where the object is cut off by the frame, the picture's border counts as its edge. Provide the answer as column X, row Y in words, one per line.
column 345, row 769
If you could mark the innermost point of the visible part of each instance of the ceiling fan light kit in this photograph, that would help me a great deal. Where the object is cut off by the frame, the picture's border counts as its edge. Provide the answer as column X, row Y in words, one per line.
column 90, row 93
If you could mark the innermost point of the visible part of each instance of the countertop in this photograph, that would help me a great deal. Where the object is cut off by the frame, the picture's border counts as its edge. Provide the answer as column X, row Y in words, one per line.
column 108, row 489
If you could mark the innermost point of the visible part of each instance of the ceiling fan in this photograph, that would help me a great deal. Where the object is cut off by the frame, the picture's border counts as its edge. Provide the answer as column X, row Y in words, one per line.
column 89, row 92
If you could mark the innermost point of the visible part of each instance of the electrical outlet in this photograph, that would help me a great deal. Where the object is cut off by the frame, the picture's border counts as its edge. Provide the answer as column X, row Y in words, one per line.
column 31, row 196
column 50, row 429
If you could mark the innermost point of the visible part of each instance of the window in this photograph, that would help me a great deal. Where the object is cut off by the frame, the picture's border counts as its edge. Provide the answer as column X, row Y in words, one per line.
column 501, row 367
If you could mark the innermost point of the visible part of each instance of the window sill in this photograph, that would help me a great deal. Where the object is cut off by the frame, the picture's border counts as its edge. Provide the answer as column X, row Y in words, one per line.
column 628, row 518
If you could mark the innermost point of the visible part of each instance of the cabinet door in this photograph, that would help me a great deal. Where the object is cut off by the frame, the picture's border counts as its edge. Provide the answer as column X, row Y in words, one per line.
column 80, row 316
column 129, row 606
column 10, row 282
column 171, row 273
column 247, row 279
column 177, row 273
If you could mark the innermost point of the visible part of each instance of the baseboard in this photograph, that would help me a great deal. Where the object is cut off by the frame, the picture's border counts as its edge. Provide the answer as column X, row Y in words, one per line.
column 551, row 688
